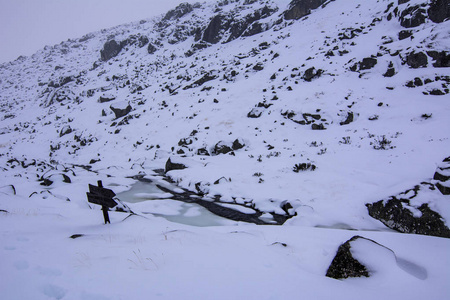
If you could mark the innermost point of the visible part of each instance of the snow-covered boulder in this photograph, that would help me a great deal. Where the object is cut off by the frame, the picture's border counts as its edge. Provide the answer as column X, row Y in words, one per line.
column 121, row 109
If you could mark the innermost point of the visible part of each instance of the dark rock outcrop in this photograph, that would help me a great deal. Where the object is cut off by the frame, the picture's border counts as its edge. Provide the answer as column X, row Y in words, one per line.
column 439, row 10
column 312, row 73
column 178, row 12
column 173, row 166
column 399, row 214
column 120, row 109
column 224, row 148
column 212, row 31
column 366, row 64
column 442, row 175
column 413, row 16
column 110, row 49
column 301, row 8
column 65, row 130
column 344, row 265
column 441, row 59
column 417, row 60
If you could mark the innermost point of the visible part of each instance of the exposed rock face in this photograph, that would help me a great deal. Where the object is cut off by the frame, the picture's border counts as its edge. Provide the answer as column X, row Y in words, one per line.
column 413, row 16
column 439, row 10
column 366, row 64
column 110, row 49
column 211, row 33
column 224, row 148
column 178, row 12
column 301, row 8
column 417, row 60
column 442, row 175
column 344, row 265
column 400, row 214
column 441, row 59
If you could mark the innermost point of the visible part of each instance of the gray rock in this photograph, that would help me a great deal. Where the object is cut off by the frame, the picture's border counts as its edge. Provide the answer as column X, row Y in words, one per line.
column 439, row 10
column 173, row 166
column 301, row 8
column 417, row 60
column 110, row 49
column 396, row 213
column 344, row 265
column 120, row 109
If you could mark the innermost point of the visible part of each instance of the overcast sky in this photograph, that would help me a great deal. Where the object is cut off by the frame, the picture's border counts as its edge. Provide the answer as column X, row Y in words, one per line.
column 28, row 25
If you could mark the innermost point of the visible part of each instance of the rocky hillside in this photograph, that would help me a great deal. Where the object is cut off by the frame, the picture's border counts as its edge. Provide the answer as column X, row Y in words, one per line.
column 316, row 110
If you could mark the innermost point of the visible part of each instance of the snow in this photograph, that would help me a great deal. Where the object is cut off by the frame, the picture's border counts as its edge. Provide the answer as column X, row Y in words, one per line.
column 174, row 250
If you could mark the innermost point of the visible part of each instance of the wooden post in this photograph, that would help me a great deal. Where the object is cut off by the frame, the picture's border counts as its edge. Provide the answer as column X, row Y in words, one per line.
column 104, row 208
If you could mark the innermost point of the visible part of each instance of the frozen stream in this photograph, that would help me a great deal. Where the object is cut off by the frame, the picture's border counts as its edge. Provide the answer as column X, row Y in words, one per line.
column 149, row 199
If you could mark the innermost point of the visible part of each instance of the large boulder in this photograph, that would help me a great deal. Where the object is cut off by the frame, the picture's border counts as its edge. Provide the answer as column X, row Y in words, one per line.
column 413, row 16
column 178, row 12
column 441, row 59
column 301, row 8
column 409, row 212
column 417, row 60
column 344, row 265
column 110, row 49
column 439, row 10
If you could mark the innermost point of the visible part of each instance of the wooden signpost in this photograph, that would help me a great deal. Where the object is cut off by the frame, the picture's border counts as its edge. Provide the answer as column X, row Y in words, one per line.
column 101, row 196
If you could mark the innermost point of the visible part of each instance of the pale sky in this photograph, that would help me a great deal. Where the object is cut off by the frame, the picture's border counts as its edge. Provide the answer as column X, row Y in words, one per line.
column 28, row 25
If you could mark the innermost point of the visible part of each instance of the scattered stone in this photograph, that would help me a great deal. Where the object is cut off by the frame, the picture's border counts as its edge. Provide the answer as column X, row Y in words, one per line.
column 312, row 73
column 404, row 34
column 106, row 98
column 65, row 130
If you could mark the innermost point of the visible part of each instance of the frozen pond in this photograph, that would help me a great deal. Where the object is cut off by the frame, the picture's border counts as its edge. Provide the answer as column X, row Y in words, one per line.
column 147, row 198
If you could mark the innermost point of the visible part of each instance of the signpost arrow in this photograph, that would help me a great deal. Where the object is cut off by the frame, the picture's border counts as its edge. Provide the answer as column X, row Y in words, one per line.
column 101, row 196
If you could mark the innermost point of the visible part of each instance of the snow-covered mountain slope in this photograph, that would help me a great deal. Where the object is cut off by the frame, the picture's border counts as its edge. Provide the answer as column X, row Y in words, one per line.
column 331, row 114
column 346, row 88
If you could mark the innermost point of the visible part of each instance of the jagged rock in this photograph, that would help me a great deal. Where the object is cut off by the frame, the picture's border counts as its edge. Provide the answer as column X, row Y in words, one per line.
column 442, row 175
column 256, row 112
column 110, row 49
column 49, row 180
column 212, row 31
column 221, row 148
column 441, row 59
column 173, row 165
column 417, row 60
column 312, row 73
column 238, row 144
column 344, row 265
column 390, row 71
column 59, row 82
column 439, row 10
column 349, row 118
column 404, row 34
column 178, row 12
column 301, row 8
column 366, row 64
column 151, row 48
column 121, row 109
column 205, row 78
column 399, row 214
column 106, row 98
column 65, row 130
column 318, row 126
column 413, row 16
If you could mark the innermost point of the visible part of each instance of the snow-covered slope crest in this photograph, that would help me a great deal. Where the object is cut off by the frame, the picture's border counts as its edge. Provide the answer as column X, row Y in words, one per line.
column 325, row 107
